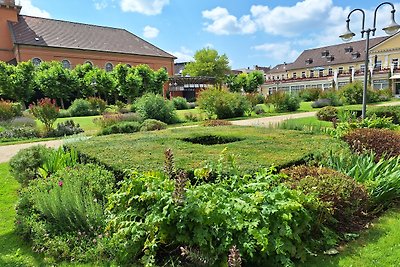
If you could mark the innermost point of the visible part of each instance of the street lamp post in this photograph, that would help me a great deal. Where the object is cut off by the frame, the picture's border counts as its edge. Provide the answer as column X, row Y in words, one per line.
column 392, row 28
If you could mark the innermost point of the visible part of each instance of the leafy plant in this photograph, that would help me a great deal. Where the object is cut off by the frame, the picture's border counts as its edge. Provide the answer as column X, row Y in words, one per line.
column 310, row 94
column 151, row 106
column 24, row 166
column 7, row 111
column 328, row 113
column 353, row 93
column 45, row 111
column 81, row 107
column 17, row 133
column 57, row 159
column 122, row 127
column 65, row 128
column 284, row 102
column 388, row 112
column 152, row 125
column 180, row 103
column 320, row 103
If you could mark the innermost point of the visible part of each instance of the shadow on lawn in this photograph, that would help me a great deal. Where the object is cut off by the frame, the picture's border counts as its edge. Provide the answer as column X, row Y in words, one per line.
column 14, row 253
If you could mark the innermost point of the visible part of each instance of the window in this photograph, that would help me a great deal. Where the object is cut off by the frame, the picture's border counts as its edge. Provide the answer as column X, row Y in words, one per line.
column 380, row 84
column 362, row 67
column 109, row 67
column 311, row 73
column 325, row 53
column 66, row 64
column 395, row 63
column 378, row 65
column 321, row 73
column 303, row 74
column 355, row 55
column 36, row 61
column 89, row 62
column 309, row 61
column 330, row 71
column 294, row 75
column 348, row 49
column 330, row 58
column 340, row 70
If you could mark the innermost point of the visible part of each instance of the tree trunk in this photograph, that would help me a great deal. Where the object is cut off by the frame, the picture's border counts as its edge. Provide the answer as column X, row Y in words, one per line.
column 62, row 103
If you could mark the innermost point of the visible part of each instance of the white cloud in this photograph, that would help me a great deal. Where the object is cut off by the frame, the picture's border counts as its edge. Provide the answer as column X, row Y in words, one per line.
column 183, row 55
column 146, row 7
column 150, row 32
column 29, row 9
column 292, row 20
column 99, row 5
column 224, row 23
column 280, row 52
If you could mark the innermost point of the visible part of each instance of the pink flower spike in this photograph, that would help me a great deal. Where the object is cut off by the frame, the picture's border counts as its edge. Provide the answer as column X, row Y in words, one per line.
column 60, row 183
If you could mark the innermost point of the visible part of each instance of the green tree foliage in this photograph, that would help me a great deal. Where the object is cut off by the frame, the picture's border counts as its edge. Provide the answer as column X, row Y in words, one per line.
column 207, row 62
column 101, row 82
column 6, row 71
column 248, row 82
column 55, row 81
column 80, row 72
column 20, row 87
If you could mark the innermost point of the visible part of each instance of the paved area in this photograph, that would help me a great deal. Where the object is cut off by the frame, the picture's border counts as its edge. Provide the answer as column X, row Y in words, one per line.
column 268, row 121
column 7, row 152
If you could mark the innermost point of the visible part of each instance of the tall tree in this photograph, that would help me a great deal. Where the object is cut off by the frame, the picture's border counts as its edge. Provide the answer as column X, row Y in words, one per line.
column 55, row 81
column 254, row 80
column 207, row 62
column 80, row 72
column 6, row 71
column 101, row 83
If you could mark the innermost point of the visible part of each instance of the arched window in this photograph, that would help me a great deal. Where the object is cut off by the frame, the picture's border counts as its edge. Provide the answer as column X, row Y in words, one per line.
column 89, row 62
column 66, row 64
column 109, row 67
column 36, row 61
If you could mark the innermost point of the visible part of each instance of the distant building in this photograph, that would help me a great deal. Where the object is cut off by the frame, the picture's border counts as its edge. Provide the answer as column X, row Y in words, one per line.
column 337, row 65
column 24, row 38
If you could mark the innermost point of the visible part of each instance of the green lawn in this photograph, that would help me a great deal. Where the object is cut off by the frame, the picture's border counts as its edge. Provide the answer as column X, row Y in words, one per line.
column 259, row 147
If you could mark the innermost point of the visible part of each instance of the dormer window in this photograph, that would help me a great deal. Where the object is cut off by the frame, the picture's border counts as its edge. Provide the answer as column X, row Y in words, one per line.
column 348, row 50
column 325, row 53
column 355, row 55
column 309, row 61
column 330, row 58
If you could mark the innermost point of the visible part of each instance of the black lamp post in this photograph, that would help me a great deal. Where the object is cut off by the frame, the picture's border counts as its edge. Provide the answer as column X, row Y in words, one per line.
column 392, row 28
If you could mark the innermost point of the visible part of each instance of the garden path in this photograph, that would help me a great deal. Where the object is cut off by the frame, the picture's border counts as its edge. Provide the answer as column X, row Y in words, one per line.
column 7, row 152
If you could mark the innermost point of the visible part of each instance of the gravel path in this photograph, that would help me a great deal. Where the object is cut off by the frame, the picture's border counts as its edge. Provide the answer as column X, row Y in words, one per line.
column 7, row 152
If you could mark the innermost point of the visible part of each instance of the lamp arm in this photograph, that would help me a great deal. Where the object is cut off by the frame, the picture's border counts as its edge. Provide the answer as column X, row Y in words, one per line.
column 376, row 10
column 363, row 20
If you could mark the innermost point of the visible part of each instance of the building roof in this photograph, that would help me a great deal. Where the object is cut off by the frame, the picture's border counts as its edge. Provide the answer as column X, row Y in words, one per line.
column 334, row 55
column 64, row 34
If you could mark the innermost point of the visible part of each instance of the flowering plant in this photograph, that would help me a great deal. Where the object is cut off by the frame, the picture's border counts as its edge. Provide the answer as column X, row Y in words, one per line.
column 45, row 111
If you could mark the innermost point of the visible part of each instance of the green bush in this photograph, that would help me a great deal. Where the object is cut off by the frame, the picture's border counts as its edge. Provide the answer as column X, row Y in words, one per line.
column 152, row 125
column 328, row 113
column 333, row 96
column 385, row 94
column 180, row 103
column 23, row 122
column 320, row 103
column 381, row 177
column 255, row 98
column 122, row 127
column 18, row 133
column 284, row 101
column 24, row 166
column 63, row 215
column 108, row 119
column 383, row 142
column 388, row 112
column 345, row 199
column 353, row 93
column 222, row 104
column 151, row 106
column 310, row 94
column 190, row 116
column 97, row 104
column 81, row 107
column 152, row 215
column 259, row 109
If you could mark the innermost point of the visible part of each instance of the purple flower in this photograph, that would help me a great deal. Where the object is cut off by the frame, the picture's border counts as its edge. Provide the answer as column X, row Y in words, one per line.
column 60, row 183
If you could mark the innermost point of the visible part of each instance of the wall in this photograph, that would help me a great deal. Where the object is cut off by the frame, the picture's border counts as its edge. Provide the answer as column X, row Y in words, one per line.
column 6, row 45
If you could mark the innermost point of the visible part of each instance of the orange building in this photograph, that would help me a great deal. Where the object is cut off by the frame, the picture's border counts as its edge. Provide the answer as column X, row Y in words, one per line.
column 24, row 38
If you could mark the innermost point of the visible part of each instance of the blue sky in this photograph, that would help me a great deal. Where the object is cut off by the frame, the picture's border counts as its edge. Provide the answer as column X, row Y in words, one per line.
column 252, row 32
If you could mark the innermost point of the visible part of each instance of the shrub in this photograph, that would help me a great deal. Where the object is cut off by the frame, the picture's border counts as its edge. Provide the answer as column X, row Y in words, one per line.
column 255, row 98
column 353, row 93
column 23, row 122
column 153, row 214
column 64, row 113
column 328, row 113
column 345, row 199
column 152, row 125
column 19, row 133
column 381, row 177
column 97, row 104
column 63, row 215
column 215, row 123
column 333, row 96
column 388, row 112
column 151, row 106
column 385, row 94
column 284, row 102
column 25, row 164
column 108, row 119
column 65, row 128
column 259, row 109
column 180, row 103
column 122, row 127
column 222, row 104
column 81, row 107
column 45, row 111
column 320, row 103
column 383, row 142
column 7, row 111
column 190, row 116
column 57, row 159
column 310, row 94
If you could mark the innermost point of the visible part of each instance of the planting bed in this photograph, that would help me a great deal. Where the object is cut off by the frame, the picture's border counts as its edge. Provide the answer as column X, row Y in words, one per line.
column 257, row 147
